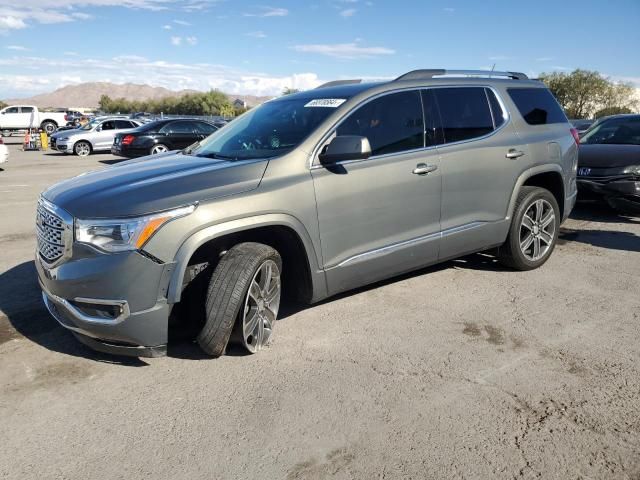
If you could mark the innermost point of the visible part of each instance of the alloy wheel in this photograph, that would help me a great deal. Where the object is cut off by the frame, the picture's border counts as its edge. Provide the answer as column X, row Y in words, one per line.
column 261, row 306
column 83, row 149
column 537, row 230
column 158, row 149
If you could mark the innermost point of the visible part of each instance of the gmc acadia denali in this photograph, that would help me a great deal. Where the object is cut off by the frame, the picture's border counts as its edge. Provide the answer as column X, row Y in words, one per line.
column 308, row 195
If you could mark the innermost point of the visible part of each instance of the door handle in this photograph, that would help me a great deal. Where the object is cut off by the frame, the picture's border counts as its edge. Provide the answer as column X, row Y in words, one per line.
column 424, row 169
column 513, row 153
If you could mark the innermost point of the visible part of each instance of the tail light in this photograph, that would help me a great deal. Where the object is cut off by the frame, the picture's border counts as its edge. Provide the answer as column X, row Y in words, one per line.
column 66, row 117
column 1, row 141
column 128, row 139
column 576, row 136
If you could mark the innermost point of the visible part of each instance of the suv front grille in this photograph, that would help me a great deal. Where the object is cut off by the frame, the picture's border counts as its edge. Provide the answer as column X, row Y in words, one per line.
column 50, row 234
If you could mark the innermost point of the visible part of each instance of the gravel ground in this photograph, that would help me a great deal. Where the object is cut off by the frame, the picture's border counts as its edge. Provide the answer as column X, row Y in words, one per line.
column 463, row 370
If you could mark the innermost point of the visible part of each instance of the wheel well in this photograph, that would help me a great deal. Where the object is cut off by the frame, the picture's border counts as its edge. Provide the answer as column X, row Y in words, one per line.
column 551, row 181
column 296, row 273
column 49, row 121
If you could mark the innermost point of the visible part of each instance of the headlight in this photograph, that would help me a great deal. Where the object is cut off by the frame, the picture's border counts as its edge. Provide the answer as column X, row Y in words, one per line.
column 633, row 170
column 117, row 235
column 62, row 139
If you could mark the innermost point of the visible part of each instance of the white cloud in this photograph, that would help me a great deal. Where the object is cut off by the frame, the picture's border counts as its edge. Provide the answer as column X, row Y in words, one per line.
column 347, row 51
column 192, row 40
column 182, row 22
column 159, row 73
column 19, row 14
column 269, row 12
column 258, row 34
column 176, row 41
column 9, row 22
column 166, row 27
column 349, row 12
column 18, row 48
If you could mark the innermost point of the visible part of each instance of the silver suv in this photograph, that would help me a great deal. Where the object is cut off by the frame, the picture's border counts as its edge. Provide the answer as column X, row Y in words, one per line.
column 95, row 136
column 306, row 196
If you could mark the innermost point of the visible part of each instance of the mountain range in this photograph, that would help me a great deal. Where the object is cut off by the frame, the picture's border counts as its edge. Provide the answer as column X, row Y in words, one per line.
column 87, row 95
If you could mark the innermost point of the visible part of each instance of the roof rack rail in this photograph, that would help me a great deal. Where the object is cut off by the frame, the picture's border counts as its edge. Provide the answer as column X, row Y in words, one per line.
column 440, row 72
column 335, row 83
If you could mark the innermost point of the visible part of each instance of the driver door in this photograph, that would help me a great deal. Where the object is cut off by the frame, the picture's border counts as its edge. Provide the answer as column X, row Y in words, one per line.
column 105, row 133
column 380, row 216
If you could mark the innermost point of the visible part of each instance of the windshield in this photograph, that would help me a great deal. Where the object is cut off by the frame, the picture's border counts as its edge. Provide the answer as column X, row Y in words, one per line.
column 272, row 129
column 90, row 125
column 616, row 131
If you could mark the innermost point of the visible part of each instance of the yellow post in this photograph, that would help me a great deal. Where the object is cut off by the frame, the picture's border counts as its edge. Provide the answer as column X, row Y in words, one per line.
column 44, row 141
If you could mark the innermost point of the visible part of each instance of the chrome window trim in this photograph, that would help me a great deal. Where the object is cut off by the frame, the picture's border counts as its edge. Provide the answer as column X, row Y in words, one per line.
column 313, row 165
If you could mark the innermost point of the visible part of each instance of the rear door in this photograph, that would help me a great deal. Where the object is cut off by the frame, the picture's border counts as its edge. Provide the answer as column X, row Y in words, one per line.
column 482, row 158
column 380, row 216
column 28, row 117
column 180, row 134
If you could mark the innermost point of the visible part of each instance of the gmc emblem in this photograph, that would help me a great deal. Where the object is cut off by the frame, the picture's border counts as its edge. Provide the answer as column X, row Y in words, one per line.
column 584, row 172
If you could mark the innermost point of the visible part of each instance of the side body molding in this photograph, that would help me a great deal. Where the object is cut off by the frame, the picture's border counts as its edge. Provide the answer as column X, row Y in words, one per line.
column 188, row 248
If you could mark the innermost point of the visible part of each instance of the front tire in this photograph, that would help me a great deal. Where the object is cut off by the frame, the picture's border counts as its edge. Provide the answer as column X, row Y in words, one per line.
column 534, row 230
column 82, row 148
column 244, row 291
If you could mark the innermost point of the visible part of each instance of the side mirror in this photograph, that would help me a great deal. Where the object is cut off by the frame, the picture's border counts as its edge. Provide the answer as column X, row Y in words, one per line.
column 99, row 128
column 346, row 147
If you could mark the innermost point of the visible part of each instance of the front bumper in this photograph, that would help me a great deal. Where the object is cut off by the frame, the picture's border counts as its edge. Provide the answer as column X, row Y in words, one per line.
column 64, row 148
column 115, row 303
column 627, row 188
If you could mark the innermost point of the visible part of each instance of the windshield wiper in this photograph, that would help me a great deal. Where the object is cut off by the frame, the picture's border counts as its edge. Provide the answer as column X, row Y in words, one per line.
column 216, row 156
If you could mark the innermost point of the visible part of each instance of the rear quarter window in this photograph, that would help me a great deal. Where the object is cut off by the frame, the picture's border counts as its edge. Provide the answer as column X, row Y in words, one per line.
column 537, row 106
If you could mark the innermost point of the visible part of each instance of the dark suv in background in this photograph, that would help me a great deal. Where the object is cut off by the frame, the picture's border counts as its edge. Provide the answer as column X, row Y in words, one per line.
column 161, row 136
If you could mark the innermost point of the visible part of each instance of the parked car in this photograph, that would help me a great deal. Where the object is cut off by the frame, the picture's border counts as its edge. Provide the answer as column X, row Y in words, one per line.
column 581, row 125
column 161, row 136
column 307, row 195
column 609, row 163
column 4, row 152
column 64, row 131
column 94, row 136
column 22, row 117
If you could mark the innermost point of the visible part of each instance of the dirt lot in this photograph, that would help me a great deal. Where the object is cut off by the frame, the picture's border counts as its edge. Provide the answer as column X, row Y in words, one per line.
column 465, row 370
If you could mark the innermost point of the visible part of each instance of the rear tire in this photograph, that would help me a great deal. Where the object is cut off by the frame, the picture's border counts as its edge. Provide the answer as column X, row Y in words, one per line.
column 159, row 148
column 534, row 230
column 226, row 297
column 48, row 127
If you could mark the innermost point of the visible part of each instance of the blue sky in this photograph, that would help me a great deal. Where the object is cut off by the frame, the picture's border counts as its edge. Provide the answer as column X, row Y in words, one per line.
column 259, row 48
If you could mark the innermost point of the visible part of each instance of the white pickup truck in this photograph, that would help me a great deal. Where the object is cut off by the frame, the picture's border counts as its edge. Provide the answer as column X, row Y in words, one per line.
column 21, row 117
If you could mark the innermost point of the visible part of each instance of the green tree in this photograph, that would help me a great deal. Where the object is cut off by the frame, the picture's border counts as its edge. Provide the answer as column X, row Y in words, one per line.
column 2, row 104
column 581, row 93
column 289, row 90
column 605, row 112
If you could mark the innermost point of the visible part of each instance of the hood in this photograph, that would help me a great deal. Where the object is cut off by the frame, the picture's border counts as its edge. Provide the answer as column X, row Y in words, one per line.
column 608, row 155
column 152, row 184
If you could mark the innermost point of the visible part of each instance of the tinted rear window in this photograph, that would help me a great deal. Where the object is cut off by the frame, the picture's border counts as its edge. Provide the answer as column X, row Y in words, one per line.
column 464, row 112
column 537, row 105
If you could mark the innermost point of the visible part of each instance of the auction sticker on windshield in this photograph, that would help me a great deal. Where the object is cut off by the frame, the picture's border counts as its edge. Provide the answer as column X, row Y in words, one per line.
column 326, row 102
